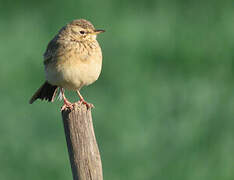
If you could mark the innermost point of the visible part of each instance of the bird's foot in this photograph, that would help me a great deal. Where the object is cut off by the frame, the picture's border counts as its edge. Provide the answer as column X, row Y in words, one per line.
column 67, row 105
column 88, row 105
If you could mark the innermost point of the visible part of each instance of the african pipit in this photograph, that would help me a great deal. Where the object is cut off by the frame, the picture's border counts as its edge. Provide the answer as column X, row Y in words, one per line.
column 73, row 59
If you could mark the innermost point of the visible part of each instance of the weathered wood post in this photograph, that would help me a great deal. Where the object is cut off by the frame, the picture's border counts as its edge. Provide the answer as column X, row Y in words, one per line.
column 83, row 150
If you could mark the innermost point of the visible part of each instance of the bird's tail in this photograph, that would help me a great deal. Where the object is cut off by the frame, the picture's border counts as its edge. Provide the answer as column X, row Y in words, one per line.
column 45, row 92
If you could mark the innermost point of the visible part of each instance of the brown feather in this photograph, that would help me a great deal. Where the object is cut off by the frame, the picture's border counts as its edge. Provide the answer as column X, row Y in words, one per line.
column 45, row 92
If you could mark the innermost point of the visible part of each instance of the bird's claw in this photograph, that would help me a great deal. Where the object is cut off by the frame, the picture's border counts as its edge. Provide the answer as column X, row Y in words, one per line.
column 88, row 105
column 69, row 106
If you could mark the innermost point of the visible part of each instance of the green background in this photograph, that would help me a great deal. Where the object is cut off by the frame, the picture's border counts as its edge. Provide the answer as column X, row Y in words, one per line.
column 164, row 101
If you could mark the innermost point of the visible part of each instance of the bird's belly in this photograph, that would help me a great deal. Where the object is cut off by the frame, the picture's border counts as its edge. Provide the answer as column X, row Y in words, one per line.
column 73, row 76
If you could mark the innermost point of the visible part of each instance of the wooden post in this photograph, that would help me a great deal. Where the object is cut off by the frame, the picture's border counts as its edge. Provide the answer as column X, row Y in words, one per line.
column 83, row 150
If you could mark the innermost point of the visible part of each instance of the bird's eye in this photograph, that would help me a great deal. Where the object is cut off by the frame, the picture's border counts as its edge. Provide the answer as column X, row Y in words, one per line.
column 82, row 32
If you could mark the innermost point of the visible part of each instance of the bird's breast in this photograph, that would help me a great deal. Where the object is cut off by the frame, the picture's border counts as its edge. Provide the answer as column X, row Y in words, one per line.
column 77, row 67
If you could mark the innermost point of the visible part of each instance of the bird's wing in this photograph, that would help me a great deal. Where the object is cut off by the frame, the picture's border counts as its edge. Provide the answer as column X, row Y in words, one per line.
column 52, row 50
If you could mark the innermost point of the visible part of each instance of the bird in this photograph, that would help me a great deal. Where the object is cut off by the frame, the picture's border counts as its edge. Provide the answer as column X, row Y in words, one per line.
column 72, row 60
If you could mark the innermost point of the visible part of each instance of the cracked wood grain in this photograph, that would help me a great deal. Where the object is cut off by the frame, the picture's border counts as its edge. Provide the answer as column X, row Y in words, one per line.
column 82, row 147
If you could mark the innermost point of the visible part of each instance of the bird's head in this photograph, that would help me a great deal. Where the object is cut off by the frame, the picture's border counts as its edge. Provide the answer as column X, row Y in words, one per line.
column 82, row 30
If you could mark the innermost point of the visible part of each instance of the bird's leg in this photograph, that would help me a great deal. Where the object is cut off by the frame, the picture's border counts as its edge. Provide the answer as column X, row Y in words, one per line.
column 88, row 105
column 67, row 104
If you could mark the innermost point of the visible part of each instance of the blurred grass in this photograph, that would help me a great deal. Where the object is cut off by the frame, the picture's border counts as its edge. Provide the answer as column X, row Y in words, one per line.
column 164, row 101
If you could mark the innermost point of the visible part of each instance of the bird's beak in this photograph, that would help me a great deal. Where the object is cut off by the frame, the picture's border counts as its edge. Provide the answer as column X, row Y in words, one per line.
column 98, row 31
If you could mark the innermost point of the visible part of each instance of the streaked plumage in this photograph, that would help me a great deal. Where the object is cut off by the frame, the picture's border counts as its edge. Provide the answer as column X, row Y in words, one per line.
column 73, row 59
